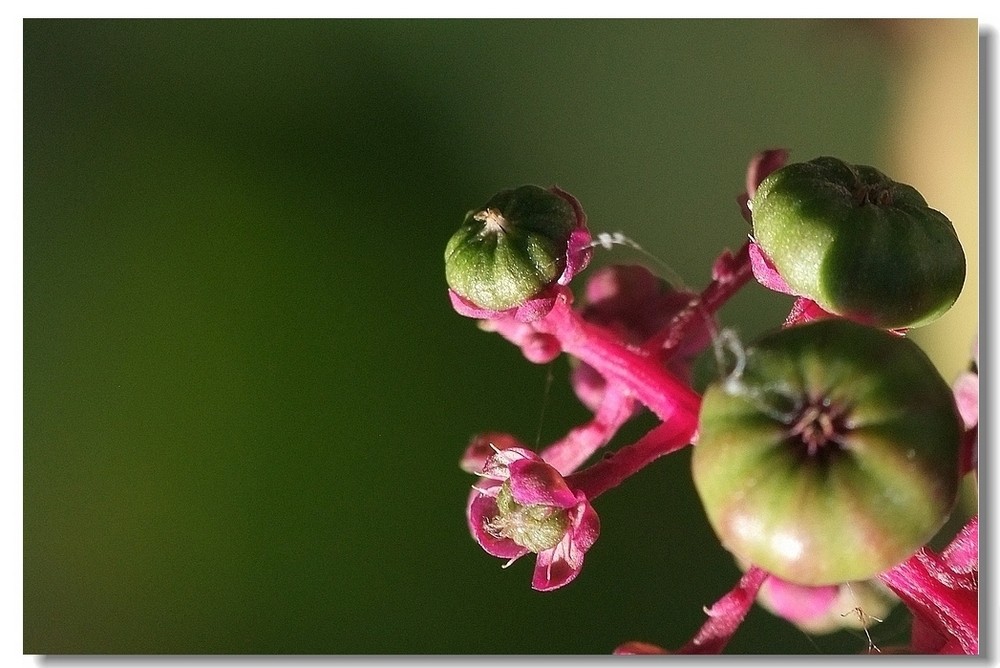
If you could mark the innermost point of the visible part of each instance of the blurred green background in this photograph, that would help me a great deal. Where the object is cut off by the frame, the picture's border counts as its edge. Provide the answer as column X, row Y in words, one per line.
column 245, row 393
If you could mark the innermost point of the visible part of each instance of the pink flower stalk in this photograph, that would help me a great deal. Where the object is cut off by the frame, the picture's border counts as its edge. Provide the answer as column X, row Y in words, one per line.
column 616, row 468
column 526, row 506
column 645, row 369
column 724, row 618
column 730, row 272
column 632, row 302
column 726, row 615
column 678, row 324
column 650, row 383
column 569, row 453
column 640, row 368
column 602, row 350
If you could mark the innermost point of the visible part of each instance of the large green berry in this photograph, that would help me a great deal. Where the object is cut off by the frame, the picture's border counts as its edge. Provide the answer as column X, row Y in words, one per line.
column 511, row 249
column 831, row 456
column 858, row 243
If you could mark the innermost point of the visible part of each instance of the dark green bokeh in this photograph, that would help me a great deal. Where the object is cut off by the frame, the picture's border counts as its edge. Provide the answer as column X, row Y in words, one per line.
column 245, row 393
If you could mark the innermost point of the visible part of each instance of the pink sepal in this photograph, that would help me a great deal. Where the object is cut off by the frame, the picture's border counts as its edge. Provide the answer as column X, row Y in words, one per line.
column 497, row 467
column 578, row 248
column 966, row 389
column 942, row 591
column 482, row 508
column 531, row 310
column 533, row 482
column 805, row 310
column 559, row 566
column 799, row 604
column 483, row 446
column 758, row 168
column 765, row 272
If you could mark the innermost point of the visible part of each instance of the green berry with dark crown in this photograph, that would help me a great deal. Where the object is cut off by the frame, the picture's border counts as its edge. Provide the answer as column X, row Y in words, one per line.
column 510, row 249
column 831, row 456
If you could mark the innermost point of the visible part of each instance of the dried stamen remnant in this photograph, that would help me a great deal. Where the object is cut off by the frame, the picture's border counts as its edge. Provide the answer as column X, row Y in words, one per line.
column 494, row 222
column 819, row 428
column 868, row 194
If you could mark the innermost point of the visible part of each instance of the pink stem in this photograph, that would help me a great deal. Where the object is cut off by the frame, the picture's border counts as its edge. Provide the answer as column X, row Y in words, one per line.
column 729, row 274
column 568, row 453
column 650, row 383
column 615, row 469
column 726, row 615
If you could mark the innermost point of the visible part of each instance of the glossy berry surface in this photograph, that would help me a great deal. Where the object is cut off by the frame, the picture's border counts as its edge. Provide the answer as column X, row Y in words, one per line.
column 832, row 456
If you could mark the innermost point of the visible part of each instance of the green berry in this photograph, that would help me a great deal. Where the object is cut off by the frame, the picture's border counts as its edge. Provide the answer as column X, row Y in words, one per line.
column 858, row 243
column 832, row 456
column 511, row 249
column 535, row 527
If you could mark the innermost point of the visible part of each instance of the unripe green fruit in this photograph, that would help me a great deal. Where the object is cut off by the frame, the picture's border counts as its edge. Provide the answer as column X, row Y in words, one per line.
column 857, row 243
column 535, row 527
column 832, row 456
column 510, row 249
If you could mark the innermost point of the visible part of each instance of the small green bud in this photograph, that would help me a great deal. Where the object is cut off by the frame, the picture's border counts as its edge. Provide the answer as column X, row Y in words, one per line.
column 832, row 457
column 858, row 243
column 535, row 527
column 510, row 249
